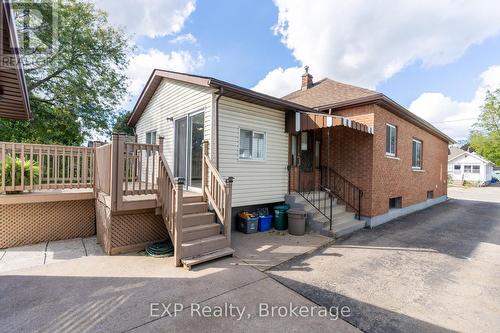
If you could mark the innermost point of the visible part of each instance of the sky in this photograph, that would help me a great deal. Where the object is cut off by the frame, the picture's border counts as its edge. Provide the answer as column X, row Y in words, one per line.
column 436, row 58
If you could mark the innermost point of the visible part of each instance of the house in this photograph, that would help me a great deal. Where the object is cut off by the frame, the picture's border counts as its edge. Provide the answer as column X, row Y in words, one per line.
column 206, row 149
column 14, row 98
column 464, row 166
column 352, row 154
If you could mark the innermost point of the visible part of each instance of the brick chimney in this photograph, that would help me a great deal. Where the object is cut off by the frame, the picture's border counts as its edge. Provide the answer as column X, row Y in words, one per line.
column 307, row 79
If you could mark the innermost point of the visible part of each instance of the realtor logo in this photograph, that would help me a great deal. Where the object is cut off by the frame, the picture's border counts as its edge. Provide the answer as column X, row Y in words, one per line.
column 28, row 29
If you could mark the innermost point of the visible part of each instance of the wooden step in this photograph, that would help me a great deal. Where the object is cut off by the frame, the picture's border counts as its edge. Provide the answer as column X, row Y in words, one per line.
column 190, row 220
column 194, row 207
column 191, row 261
column 192, row 198
column 203, row 245
column 200, row 231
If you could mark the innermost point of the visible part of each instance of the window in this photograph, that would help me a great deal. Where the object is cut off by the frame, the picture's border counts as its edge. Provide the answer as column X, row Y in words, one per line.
column 471, row 168
column 294, row 150
column 395, row 202
column 317, row 149
column 252, row 145
column 151, row 137
column 416, row 156
column 303, row 141
column 390, row 140
column 457, row 168
column 430, row 194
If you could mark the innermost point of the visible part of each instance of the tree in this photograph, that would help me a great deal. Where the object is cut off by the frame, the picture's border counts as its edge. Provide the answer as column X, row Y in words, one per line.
column 49, row 126
column 80, row 75
column 120, row 124
column 485, row 136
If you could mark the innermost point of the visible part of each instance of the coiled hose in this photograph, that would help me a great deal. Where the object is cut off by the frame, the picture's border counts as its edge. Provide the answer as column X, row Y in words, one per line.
column 161, row 249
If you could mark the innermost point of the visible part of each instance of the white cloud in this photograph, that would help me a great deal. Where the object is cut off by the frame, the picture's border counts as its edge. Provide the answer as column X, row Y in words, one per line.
column 151, row 18
column 448, row 114
column 142, row 65
column 366, row 42
column 186, row 38
column 280, row 81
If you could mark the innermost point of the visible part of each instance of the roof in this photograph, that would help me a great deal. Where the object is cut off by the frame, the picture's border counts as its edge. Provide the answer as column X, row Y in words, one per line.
column 14, row 98
column 225, row 88
column 457, row 152
column 327, row 92
column 330, row 95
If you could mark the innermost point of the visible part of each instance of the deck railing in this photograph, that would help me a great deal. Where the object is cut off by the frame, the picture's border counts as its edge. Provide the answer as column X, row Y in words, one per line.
column 217, row 191
column 29, row 167
column 169, row 201
column 103, row 168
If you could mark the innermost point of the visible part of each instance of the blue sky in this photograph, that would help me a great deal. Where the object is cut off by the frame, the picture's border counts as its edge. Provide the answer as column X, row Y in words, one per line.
column 436, row 58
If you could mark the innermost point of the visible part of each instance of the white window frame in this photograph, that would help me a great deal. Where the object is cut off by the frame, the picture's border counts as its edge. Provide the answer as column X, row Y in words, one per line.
column 471, row 167
column 388, row 153
column 419, row 167
column 251, row 158
column 151, row 132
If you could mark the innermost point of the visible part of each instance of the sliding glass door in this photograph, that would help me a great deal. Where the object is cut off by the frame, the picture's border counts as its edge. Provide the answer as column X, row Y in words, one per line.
column 189, row 134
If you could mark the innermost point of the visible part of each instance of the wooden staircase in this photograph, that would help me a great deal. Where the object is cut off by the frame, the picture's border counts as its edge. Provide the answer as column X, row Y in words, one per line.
column 202, row 239
column 198, row 234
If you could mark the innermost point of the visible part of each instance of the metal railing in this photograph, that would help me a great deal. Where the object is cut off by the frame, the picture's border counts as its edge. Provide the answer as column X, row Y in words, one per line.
column 342, row 188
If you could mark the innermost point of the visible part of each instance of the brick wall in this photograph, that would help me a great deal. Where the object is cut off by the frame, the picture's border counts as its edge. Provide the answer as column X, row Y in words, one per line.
column 351, row 156
column 395, row 177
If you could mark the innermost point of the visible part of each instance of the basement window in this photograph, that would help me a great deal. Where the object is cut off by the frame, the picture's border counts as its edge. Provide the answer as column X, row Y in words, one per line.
column 395, row 202
column 430, row 194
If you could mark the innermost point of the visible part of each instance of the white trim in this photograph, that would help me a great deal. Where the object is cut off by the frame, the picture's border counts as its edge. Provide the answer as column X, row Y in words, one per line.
column 297, row 121
column 414, row 168
column 329, row 121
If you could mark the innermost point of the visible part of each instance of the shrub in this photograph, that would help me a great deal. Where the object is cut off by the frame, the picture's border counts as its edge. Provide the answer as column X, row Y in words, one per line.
column 20, row 171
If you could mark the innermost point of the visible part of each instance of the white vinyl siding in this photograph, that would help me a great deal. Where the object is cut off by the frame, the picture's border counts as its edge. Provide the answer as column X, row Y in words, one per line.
column 174, row 99
column 256, row 181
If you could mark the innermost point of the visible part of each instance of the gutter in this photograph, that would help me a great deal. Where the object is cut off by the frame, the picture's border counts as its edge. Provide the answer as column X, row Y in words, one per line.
column 221, row 92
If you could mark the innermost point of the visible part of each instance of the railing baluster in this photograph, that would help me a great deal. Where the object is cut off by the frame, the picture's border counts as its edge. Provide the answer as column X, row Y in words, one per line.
column 13, row 162
column 3, row 166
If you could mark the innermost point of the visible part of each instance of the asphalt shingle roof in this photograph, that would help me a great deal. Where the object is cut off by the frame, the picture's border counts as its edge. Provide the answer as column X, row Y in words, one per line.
column 326, row 92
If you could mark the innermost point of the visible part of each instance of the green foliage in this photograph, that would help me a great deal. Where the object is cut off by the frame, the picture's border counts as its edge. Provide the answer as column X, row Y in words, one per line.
column 21, row 170
column 120, row 124
column 485, row 137
column 81, row 82
column 49, row 126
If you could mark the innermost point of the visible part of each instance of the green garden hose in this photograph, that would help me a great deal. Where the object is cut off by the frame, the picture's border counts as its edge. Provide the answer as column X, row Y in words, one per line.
column 160, row 249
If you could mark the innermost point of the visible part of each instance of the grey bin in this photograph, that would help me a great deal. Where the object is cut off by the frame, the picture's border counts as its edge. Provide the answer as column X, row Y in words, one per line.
column 296, row 222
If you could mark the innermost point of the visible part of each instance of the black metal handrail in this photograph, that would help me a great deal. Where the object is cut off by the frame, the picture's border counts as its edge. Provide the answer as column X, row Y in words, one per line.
column 342, row 188
column 319, row 197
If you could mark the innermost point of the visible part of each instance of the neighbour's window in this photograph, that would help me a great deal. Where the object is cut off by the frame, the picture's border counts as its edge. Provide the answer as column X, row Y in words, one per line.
column 471, row 168
column 151, row 137
column 390, row 139
column 416, row 156
column 252, row 145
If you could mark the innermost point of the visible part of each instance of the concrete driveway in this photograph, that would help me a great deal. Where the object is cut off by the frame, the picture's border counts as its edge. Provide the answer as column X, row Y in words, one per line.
column 437, row 270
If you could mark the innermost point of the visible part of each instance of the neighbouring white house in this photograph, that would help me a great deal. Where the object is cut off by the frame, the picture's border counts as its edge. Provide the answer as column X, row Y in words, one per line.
column 469, row 167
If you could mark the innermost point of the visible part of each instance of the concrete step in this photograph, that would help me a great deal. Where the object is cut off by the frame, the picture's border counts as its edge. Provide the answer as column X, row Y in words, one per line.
column 191, row 220
column 203, row 246
column 194, row 207
column 200, row 231
column 191, row 261
column 347, row 227
column 192, row 198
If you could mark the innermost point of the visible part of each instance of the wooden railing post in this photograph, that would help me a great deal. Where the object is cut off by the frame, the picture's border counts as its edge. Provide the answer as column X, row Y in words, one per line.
column 179, row 185
column 204, row 172
column 228, row 209
column 117, row 172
